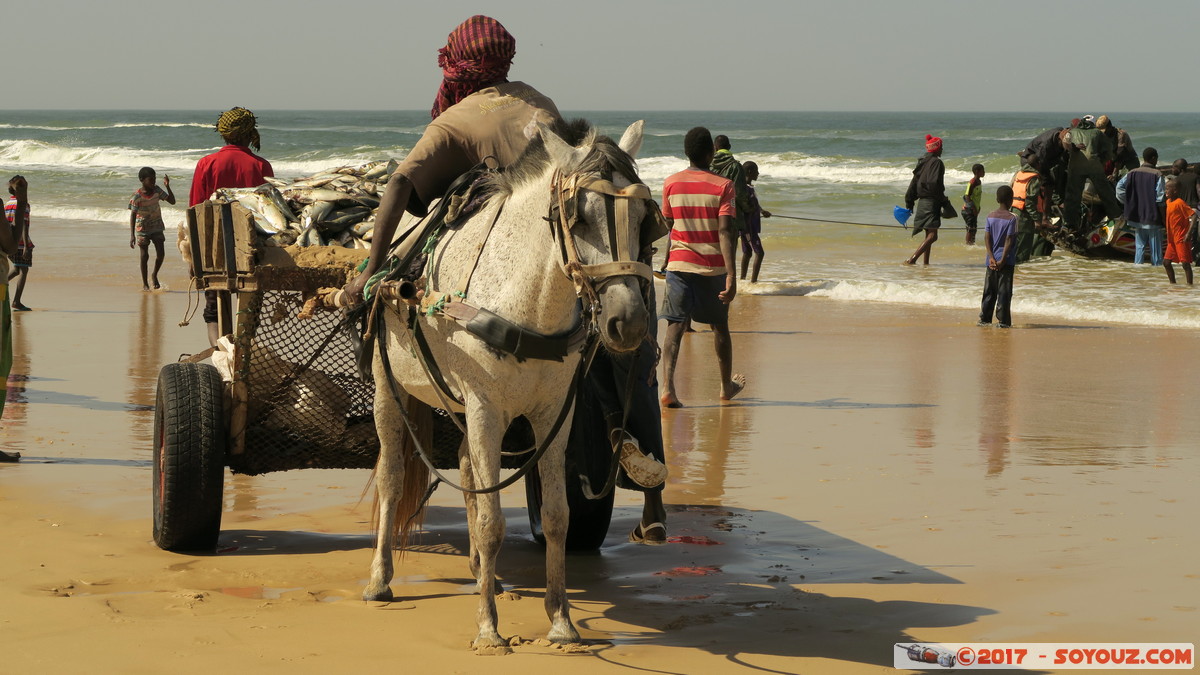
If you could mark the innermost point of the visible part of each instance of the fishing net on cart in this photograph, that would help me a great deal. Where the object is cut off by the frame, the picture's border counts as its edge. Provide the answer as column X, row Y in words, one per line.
column 308, row 406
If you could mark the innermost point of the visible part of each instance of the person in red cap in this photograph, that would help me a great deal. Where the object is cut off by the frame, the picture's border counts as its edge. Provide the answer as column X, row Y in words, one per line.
column 927, row 191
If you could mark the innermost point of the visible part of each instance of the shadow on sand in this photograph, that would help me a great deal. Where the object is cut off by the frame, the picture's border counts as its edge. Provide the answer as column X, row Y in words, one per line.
column 737, row 583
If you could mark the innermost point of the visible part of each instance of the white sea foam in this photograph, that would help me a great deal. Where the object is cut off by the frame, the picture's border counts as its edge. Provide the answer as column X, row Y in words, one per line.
column 26, row 153
column 41, row 154
column 793, row 167
column 116, row 215
column 966, row 298
column 121, row 125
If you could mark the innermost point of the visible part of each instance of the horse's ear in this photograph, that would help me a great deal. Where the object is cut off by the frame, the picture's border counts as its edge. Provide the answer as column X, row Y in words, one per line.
column 561, row 154
column 631, row 140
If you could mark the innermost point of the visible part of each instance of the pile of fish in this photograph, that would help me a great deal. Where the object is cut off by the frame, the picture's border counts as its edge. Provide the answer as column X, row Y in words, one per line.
column 333, row 208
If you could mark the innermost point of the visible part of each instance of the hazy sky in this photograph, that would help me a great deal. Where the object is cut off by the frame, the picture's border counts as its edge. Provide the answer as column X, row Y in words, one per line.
column 1049, row 55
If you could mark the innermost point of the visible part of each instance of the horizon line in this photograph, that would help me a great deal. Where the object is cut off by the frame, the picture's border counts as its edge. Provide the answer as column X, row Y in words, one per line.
column 618, row 110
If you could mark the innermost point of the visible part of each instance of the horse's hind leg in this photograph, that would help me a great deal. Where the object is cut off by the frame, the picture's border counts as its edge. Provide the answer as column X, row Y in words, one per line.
column 484, row 431
column 389, row 477
column 555, row 516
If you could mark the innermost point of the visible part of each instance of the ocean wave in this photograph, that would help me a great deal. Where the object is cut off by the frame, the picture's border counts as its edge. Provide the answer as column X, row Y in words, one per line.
column 794, row 167
column 40, row 153
column 967, row 299
column 26, row 153
column 115, row 125
column 99, row 214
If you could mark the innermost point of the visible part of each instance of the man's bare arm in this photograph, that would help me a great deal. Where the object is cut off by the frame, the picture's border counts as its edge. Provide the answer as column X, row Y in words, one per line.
column 728, row 234
column 387, row 218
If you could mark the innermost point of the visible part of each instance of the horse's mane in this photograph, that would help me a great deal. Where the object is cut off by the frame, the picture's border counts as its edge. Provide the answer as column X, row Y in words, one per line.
column 532, row 163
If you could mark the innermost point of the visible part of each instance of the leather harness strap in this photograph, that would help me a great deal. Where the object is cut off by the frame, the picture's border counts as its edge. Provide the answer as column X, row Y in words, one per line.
column 521, row 343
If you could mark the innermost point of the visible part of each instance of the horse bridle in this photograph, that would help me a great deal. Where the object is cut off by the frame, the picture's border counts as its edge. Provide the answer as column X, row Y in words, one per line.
column 564, row 214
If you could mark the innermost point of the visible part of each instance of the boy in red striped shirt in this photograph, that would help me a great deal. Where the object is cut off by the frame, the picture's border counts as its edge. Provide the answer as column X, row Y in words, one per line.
column 701, row 279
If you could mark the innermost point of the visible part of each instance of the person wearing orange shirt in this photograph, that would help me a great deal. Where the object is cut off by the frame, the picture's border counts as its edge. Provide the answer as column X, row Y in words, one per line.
column 1179, row 233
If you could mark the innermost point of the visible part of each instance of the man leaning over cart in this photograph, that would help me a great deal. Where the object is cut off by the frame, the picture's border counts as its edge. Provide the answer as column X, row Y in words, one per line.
column 478, row 114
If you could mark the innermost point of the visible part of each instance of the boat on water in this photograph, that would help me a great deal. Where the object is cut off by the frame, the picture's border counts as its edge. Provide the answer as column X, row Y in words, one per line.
column 1100, row 237
column 1113, row 240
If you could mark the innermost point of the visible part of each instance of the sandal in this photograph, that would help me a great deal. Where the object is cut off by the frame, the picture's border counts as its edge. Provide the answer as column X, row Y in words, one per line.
column 641, row 468
column 654, row 534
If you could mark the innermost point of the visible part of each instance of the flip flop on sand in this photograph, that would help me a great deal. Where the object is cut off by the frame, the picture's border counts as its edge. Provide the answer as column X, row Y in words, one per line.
column 20, row 308
column 654, row 534
column 10, row 456
column 739, row 383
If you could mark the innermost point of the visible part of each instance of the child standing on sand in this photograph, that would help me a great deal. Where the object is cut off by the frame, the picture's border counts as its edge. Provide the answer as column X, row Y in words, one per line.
column 751, row 243
column 1179, row 233
column 1000, row 239
column 146, row 223
column 22, row 255
column 8, row 246
column 972, row 201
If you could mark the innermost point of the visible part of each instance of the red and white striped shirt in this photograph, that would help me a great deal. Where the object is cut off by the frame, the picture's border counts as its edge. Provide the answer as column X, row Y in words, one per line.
column 695, row 200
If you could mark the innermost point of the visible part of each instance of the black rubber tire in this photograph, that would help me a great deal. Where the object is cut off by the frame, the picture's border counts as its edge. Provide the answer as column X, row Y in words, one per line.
column 189, row 457
column 589, row 520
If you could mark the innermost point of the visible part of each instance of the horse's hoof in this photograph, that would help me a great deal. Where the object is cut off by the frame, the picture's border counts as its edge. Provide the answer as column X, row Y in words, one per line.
column 382, row 595
column 567, row 635
column 491, row 645
column 502, row 650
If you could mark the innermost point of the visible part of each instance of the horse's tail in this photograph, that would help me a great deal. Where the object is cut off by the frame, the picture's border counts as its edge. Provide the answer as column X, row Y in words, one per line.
column 410, row 511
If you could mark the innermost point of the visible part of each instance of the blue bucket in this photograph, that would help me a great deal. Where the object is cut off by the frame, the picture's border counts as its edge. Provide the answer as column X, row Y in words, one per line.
column 902, row 214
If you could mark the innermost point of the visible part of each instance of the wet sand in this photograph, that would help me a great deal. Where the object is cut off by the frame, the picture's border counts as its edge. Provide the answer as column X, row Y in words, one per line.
column 890, row 474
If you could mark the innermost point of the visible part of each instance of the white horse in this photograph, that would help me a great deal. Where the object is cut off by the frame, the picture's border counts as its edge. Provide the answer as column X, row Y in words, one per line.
column 509, row 258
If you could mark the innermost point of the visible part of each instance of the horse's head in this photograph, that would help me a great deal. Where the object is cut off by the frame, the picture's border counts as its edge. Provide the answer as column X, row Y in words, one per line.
column 604, row 221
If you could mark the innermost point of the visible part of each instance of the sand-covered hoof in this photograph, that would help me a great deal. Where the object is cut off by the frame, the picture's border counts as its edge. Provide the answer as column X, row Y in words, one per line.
column 492, row 650
column 382, row 595
column 564, row 634
column 491, row 645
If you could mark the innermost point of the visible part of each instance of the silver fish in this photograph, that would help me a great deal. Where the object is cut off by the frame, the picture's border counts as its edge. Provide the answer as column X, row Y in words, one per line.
column 254, row 203
column 364, row 227
column 310, row 195
column 273, row 196
column 309, row 237
column 321, row 210
column 343, row 218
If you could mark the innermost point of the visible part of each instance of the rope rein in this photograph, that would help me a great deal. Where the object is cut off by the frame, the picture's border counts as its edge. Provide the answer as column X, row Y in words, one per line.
column 846, row 222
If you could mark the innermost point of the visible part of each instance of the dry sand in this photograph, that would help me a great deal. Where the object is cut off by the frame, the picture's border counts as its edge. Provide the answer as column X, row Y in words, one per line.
column 890, row 474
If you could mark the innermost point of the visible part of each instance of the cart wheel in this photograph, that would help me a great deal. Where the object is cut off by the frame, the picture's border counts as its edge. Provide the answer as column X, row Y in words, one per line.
column 189, row 457
column 588, row 524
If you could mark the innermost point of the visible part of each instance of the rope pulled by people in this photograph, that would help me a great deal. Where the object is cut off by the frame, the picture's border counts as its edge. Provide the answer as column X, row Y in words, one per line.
column 827, row 221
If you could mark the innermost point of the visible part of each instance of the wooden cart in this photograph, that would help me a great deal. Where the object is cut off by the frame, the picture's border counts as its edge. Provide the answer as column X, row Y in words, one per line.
column 291, row 396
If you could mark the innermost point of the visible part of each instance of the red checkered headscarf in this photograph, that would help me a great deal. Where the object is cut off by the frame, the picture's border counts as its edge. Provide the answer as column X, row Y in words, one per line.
column 477, row 54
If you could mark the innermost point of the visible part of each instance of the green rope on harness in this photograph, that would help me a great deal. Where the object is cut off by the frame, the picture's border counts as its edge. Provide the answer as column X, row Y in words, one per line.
column 437, row 306
column 432, row 241
column 373, row 282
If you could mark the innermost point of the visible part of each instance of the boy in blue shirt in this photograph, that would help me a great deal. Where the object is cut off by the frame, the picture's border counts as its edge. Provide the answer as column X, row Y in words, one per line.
column 999, row 237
